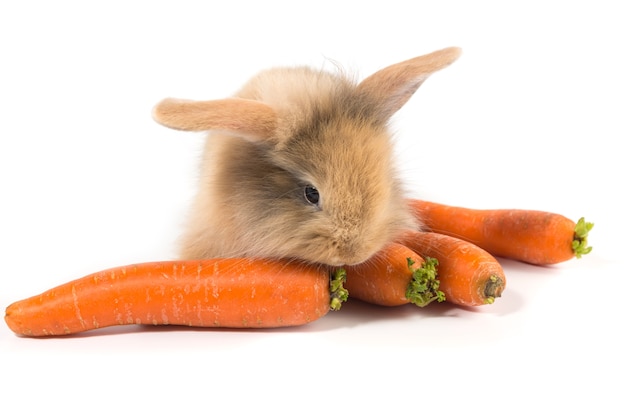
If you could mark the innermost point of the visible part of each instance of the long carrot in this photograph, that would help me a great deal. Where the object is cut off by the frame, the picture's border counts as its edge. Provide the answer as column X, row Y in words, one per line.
column 468, row 275
column 395, row 276
column 531, row 236
column 238, row 293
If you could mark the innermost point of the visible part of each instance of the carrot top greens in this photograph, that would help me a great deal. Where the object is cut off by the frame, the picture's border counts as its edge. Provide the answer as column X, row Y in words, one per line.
column 581, row 231
column 493, row 289
column 424, row 286
column 338, row 294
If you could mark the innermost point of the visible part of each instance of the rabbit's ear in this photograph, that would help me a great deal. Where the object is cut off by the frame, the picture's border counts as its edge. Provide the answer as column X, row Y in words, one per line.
column 392, row 86
column 250, row 119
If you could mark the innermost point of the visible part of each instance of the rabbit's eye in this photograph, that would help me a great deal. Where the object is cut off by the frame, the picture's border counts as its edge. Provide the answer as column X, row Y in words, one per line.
column 312, row 195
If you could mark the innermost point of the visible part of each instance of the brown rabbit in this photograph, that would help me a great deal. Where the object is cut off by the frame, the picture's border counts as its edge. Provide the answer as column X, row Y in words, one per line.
column 299, row 164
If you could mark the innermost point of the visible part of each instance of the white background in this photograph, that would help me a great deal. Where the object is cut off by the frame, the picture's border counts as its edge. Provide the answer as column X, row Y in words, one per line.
column 531, row 116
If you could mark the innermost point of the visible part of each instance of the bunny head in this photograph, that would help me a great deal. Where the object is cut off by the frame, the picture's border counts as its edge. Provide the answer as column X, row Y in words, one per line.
column 299, row 164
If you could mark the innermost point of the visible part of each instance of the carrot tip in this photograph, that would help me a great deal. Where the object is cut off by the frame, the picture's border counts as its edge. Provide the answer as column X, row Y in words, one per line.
column 424, row 286
column 581, row 232
column 338, row 294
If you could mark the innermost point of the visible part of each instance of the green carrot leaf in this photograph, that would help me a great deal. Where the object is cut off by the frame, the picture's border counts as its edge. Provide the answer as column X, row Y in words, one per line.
column 424, row 286
column 581, row 233
column 338, row 294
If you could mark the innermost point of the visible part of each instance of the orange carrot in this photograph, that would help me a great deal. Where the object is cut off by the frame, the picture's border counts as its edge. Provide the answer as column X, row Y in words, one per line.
column 468, row 275
column 394, row 276
column 531, row 236
column 234, row 293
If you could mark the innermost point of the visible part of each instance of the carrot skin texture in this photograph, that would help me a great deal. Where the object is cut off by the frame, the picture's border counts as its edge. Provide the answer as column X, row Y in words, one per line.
column 531, row 236
column 468, row 275
column 384, row 278
column 235, row 293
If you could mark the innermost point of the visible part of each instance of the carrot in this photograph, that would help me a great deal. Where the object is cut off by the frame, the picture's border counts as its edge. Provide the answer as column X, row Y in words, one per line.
column 237, row 293
column 468, row 275
column 531, row 236
column 395, row 276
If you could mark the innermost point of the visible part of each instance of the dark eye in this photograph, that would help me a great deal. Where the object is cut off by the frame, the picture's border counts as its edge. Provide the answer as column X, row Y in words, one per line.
column 312, row 195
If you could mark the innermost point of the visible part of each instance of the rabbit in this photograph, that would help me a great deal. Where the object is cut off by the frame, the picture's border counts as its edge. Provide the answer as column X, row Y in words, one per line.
column 299, row 164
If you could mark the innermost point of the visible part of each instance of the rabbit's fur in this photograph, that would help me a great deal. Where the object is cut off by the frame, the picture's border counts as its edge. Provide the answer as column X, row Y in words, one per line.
column 289, row 129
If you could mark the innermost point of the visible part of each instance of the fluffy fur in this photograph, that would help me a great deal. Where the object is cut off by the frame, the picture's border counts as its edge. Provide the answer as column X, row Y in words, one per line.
column 288, row 128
